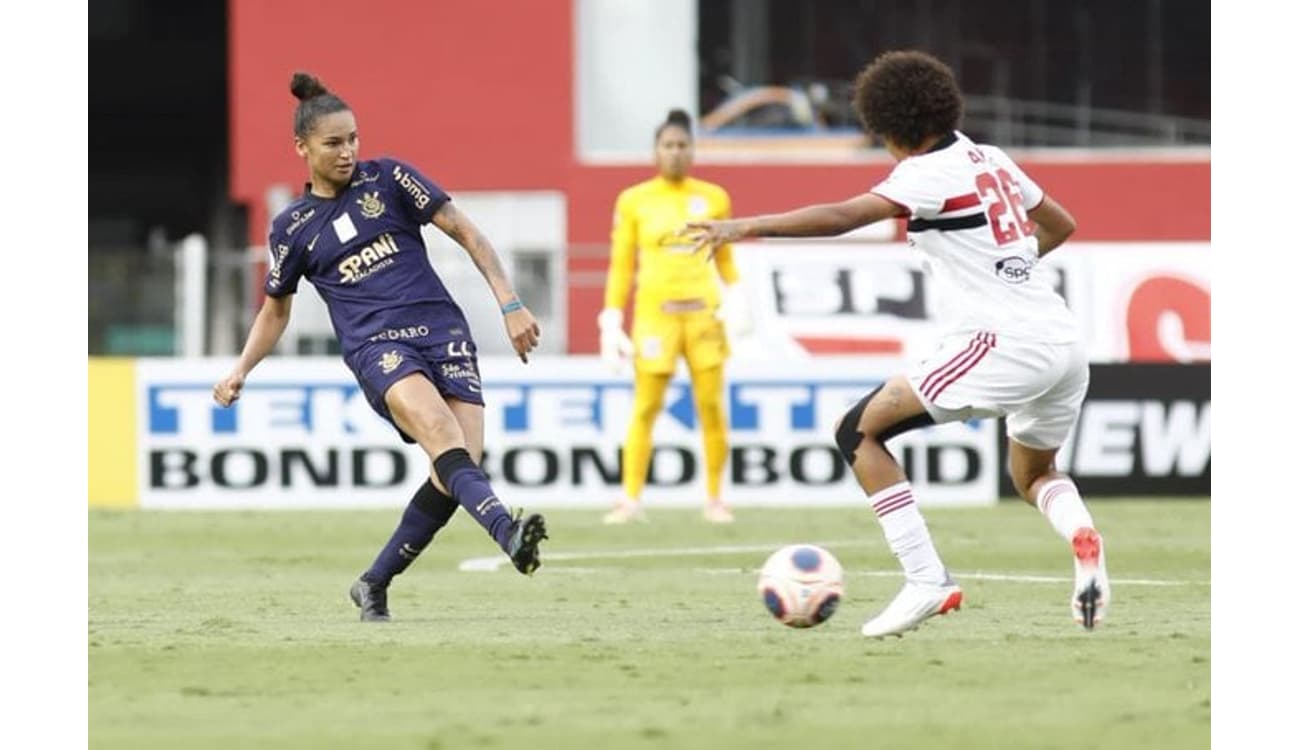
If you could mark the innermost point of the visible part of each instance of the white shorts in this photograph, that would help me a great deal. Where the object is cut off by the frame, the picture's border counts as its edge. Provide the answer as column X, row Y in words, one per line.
column 1038, row 387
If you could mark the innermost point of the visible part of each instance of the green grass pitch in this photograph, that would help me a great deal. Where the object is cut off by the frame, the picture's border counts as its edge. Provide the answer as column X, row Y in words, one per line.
column 233, row 630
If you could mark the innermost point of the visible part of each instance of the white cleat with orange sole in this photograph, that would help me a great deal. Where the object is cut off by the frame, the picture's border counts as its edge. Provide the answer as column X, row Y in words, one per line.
column 915, row 604
column 1091, row 584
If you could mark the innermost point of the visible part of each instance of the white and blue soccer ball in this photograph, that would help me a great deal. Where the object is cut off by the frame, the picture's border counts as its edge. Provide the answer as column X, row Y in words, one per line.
column 801, row 585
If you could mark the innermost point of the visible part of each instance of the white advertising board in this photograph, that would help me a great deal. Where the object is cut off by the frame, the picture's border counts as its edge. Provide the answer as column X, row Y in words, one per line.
column 1136, row 302
column 303, row 436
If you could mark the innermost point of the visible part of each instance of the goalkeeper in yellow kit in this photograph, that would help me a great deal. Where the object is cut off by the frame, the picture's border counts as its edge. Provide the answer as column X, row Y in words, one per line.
column 680, row 310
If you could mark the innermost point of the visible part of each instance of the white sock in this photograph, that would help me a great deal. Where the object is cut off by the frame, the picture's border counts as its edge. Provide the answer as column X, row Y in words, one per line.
column 906, row 532
column 1059, row 500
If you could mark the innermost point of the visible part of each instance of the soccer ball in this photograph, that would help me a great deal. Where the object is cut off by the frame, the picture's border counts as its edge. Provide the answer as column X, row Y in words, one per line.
column 801, row 585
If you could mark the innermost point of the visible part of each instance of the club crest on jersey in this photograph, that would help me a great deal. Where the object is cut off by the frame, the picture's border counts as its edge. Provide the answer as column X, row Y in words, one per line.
column 697, row 205
column 371, row 206
column 390, row 361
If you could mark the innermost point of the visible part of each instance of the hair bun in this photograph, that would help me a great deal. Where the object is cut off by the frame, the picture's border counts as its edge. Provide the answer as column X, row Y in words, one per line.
column 679, row 117
column 305, row 86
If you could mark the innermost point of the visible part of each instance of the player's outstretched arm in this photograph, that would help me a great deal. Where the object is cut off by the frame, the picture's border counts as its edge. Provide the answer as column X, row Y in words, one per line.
column 521, row 326
column 1055, row 224
column 267, row 329
column 820, row 220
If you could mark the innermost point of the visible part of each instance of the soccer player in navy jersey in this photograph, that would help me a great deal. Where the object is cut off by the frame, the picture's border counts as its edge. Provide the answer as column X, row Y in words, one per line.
column 354, row 233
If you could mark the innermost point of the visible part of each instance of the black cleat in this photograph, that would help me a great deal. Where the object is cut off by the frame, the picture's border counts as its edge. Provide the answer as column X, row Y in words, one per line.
column 526, row 532
column 1086, row 608
column 372, row 599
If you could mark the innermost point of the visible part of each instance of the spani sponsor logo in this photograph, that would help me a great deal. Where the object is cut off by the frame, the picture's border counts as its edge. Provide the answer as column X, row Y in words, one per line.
column 375, row 256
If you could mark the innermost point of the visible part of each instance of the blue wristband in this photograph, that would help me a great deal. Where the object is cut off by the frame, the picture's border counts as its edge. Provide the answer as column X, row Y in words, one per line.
column 512, row 306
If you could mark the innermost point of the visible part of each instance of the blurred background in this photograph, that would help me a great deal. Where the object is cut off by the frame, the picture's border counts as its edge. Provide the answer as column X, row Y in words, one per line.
column 534, row 115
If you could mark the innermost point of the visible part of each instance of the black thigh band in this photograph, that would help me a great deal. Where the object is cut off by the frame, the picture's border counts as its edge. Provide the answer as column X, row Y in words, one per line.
column 848, row 437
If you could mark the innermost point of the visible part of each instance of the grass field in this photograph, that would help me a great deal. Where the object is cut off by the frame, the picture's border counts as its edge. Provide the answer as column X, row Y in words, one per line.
column 233, row 630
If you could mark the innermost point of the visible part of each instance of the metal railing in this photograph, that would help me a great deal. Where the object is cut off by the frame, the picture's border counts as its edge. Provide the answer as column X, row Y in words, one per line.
column 1016, row 122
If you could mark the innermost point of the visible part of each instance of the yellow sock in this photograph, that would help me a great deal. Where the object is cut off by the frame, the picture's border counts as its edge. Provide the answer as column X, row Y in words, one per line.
column 706, row 386
column 647, row 401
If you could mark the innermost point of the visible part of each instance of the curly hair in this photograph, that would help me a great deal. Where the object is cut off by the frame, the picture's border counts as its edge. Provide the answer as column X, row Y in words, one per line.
column 906, row 97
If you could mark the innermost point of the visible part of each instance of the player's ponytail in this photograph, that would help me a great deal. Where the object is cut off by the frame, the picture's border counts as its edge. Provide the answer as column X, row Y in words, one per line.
column 678, row 118
column 314, row 101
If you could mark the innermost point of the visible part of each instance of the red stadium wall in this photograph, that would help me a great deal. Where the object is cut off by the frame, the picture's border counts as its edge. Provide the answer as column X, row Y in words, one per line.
column 481, row 98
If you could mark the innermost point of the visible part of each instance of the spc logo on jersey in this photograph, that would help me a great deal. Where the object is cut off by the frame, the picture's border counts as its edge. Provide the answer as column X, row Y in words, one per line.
column 1014, row 269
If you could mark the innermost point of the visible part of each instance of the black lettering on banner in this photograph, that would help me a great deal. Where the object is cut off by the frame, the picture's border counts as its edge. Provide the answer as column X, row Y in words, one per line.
column 609, row 475
column 831, row 457
column 361, row 467
column 512, row 474
column 906, row 459
column 685, row 476
column 1144, row 429
column 934, row 463
column 221, row 473
column 172, row 469
column 318, row 476
column 747, row 459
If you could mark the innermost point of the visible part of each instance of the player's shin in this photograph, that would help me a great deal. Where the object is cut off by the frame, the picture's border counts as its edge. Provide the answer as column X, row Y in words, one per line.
column 428, row 511
column 907, row 535
column 1059, row 501
column 707, row 385
column 469, row 486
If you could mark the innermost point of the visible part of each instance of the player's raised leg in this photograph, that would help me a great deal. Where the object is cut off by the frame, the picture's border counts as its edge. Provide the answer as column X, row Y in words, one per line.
column 861, row 434
column 421, row 412
column 1034, row 474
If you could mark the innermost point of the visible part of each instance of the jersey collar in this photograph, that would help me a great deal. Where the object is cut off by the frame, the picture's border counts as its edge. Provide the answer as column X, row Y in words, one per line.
column 943, row 142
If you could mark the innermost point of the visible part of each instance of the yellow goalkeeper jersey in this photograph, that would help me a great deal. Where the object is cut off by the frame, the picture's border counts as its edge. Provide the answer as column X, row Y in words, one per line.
column 647, row 219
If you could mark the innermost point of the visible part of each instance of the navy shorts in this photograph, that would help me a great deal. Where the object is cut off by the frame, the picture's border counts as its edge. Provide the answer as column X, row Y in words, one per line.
column 451, row 365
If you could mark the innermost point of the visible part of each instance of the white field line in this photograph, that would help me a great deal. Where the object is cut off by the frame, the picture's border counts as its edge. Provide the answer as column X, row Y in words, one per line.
column 494, row 563
column 981, row 576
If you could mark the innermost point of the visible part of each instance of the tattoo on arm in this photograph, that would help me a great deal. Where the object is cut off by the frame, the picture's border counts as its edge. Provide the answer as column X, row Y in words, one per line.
column 462, row 230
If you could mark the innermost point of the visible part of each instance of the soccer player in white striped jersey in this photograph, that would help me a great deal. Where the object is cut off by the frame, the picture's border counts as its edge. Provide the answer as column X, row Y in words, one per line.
column 1011, row 346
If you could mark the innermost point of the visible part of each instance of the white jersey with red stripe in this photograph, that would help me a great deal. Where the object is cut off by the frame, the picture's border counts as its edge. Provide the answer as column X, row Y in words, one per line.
column 967, row 207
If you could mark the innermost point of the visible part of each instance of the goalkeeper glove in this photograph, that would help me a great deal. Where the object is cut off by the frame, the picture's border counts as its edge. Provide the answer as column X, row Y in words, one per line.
column 734, row 311
column 615, row 345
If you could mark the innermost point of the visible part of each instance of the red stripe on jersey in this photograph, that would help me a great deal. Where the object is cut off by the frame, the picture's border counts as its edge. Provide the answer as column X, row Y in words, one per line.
column 954, row 377
column 957, row 203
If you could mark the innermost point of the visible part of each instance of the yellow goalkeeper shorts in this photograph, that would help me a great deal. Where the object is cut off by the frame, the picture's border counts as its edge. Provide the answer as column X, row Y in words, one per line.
column 661, row 337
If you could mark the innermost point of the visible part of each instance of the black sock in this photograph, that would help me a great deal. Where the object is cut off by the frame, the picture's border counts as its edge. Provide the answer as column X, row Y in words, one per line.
column 428, row 511
column 469, row 485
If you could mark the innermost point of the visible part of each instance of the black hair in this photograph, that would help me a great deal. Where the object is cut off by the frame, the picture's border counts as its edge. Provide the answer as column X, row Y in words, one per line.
column 314, row 101
column 908, row 96
column 676, row 117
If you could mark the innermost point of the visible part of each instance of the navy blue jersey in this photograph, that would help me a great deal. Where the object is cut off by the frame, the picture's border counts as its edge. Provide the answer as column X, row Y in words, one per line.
column 363, row 252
